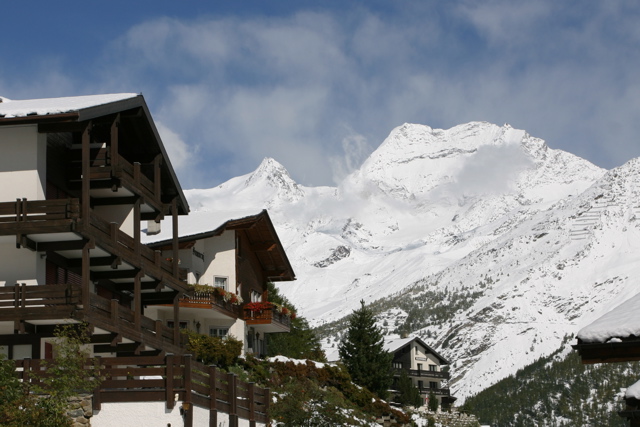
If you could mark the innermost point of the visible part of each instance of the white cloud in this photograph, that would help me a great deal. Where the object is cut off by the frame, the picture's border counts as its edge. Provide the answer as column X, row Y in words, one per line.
column 318, row 90
column 178, row 151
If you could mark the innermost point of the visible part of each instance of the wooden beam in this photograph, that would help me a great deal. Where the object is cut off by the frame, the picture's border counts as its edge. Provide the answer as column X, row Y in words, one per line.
column 63, row 245
column 109, row 201
column 263, row 246
column 112, row 261
column 86, row 153
column 114, row 274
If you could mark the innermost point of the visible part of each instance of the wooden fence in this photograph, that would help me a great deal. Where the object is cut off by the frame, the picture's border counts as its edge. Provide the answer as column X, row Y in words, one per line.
column 161, row 379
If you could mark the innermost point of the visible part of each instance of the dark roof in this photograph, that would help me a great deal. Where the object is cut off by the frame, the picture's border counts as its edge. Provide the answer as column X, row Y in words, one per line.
column 72, row 113
column 260, row 231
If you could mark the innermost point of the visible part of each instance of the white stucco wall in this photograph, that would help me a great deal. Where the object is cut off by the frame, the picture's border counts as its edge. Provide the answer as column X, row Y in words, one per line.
column 23, row 163
column 153, row 414
column 220, row 259
column 121, row 214
column 19, row 265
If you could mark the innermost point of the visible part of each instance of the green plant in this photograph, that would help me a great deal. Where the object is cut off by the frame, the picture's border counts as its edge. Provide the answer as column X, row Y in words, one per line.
column 43, row 400
column 362, row 352
column 223, row 352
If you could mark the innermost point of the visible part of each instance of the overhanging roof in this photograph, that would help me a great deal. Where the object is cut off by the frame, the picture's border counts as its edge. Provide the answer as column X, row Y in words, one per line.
column 258, row 227
column 396, row 345
column 78, row 109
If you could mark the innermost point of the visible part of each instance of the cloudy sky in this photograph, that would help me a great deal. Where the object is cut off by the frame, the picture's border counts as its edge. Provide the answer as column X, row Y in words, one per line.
column 318, row 85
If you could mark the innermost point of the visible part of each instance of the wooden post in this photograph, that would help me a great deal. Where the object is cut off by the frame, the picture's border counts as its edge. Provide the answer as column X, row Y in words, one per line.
column 168, row 379
column 26, row 368
column 136, row 225
column 86, row 264
column 137, row 300
column 252, row 414
column 86, row 158
column 157, row 188
column 115, row 304
column 174, row 242
column 176, row 319
column 96, row 402
column 213, row 394
column 114, row 143
column 188, row 416
column 233, row 400
column 267, row 402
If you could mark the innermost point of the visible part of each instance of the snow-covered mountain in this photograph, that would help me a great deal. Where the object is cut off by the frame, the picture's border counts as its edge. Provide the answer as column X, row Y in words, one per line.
column 542, row 240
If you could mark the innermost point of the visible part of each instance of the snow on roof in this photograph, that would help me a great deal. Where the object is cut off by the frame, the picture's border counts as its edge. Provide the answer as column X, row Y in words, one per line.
column 197, row 222
column 396, row 344
column 46, row 106
column 621, row 322
column 633, row 392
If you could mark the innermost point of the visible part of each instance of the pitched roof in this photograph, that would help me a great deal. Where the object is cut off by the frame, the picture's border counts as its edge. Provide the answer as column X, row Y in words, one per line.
column 621, row 322
column 50, row 106
column 73, row 110
column 204, row 224
column 397, row 344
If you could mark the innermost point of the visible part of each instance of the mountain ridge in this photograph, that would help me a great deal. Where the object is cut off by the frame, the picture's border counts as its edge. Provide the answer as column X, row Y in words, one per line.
column 482, row 210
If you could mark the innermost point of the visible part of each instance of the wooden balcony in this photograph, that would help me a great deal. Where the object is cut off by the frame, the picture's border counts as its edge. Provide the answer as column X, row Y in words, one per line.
column 209, row 301
column 23, row 303
column 38, row 216
column 267, row 320
column 436, row 391
column 107, row 170
column 424, row 373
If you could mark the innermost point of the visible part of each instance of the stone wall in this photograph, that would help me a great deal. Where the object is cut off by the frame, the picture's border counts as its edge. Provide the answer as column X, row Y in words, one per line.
column 80, row 410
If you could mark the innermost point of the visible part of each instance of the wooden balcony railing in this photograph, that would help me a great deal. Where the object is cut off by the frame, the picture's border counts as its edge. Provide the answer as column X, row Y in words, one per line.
column 38, row 302
column 24, row 302
column 436, row 391
column 157, row 379
column 38, row 215
column 265, row 316
column 424, row 373
column 210, row 301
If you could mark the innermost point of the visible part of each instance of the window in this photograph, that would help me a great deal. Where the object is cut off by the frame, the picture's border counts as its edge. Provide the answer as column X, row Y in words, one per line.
column 419, row 366
column 183, row 324
column 215, row 331
column 433, row 384
column 397, row 365
column 433, row 368
column 220, row 282
column 420, row 385
column 256, row 296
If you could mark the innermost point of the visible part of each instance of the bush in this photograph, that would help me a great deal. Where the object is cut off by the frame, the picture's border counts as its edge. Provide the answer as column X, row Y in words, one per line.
column 223, row 352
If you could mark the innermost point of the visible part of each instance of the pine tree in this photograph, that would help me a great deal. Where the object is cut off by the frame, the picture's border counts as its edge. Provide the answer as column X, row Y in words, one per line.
column 362, row 352
column 408, row 394
column 301, row 342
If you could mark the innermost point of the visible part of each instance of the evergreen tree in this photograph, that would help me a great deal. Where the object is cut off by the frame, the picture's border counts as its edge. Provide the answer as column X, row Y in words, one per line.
column 408, row 394
column 362, row 352
column 301, row 342
column 433, row 402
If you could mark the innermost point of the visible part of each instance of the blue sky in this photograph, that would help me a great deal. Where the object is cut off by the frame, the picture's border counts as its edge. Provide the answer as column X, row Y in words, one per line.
column 318, row 85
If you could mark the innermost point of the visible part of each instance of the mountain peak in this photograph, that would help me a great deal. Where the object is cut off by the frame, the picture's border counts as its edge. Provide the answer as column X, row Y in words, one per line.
column 274, row 175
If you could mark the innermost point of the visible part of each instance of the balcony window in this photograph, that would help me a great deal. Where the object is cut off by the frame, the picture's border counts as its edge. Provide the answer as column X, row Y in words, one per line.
column 419, row 366
column 433, row 368
column 215, row 331
column 221, row 282
column 433, row 384
column 182, row 325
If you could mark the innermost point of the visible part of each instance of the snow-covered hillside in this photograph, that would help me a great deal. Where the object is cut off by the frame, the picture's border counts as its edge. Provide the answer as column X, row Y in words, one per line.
column 545, row 240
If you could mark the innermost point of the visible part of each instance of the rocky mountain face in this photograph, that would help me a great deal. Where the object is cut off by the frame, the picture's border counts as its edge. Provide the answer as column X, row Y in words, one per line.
column 480, row 239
